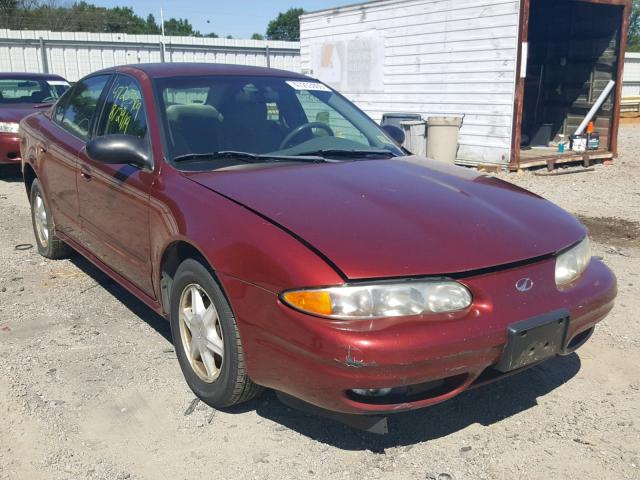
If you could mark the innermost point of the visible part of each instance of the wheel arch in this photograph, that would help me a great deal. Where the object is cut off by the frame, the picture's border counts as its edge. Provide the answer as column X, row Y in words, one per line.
column 174, row 253
column 28, row 175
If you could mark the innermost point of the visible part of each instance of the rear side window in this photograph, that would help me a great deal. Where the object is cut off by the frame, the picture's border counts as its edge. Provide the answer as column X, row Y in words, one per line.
column 78, row 112
column 123, row 111
column 57, row 87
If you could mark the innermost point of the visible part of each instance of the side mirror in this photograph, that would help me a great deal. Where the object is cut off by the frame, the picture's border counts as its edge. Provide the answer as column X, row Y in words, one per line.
column 395, row 132
column 119, row 149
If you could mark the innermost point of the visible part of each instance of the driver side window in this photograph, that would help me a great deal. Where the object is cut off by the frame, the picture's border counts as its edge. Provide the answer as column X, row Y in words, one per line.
column 76, row 116
column 123, row 111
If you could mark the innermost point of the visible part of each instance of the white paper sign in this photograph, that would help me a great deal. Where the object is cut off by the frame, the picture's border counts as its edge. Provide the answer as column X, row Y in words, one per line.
column 309, row 86
column 354, row 63
column 524, row 61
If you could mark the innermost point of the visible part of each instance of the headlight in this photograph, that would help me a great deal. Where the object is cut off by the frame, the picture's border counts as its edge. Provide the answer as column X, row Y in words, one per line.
column 572, row 263
column 8, row 127
column 381, row 300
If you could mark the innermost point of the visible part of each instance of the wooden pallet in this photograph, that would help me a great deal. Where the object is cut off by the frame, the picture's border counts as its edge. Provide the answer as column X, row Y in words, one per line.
column 630, row 105
column 552, row 161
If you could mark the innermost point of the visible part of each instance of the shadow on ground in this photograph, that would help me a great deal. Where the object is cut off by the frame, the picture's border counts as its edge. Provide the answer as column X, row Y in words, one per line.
column 155, row 321
column 485, row 405
column 10, row 173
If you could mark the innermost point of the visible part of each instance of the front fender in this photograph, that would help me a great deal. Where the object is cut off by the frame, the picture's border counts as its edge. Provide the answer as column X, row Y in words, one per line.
column 235, row 241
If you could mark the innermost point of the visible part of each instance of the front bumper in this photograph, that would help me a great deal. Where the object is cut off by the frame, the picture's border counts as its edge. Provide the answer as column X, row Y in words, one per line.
column 9, row 149
column 320, row 361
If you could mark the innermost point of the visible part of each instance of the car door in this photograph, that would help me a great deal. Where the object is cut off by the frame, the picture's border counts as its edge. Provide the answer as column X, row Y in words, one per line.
column 63, row 138
column 114, row 199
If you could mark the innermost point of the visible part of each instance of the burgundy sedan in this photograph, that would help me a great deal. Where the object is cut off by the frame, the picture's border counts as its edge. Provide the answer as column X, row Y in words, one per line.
column 20, row 93
column 294, row 245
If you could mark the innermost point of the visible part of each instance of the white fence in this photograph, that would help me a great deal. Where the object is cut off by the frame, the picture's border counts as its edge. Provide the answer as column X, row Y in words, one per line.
column 76, row 54
column 631, row 75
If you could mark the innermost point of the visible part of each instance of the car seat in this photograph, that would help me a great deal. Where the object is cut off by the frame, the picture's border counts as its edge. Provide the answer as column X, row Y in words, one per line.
column 246, row 126
column 194, row 128
column 38, row 96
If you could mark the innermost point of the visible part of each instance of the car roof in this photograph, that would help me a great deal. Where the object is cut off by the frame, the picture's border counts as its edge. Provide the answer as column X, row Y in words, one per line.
column 160, row 70
column 30, row 76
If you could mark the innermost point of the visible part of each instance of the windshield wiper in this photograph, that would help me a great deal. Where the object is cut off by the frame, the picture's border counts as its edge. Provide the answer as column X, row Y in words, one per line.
column 351, row 154
column 248, row 157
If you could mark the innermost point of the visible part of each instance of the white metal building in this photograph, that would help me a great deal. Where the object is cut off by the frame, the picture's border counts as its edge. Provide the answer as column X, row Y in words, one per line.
column 472, row 58
column 631, row 75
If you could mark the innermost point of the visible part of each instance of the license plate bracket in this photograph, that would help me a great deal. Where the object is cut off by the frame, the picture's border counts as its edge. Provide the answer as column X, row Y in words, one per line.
column 533, row 340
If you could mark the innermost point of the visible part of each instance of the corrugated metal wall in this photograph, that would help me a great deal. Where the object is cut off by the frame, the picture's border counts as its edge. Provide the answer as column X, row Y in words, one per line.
column 76, row 54
column 631, row 75
column 439, row 57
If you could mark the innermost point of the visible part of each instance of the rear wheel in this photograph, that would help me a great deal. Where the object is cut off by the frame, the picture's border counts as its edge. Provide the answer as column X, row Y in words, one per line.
column 49, row 245
column 206, row 339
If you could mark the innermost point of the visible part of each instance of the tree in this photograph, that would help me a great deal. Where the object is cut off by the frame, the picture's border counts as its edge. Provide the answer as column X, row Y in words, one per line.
column 180, row 26
column 8, row 9
column 257, row 36
column 122, row 19
column 286, row 26
column 82, row 16
column 152, row 26
column 634, row 27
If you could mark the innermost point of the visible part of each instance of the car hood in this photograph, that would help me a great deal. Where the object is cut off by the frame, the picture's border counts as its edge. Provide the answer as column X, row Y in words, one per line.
column 17, row 111
column 401, row 217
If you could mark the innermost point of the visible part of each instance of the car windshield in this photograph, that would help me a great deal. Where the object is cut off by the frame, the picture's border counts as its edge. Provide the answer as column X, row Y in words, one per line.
column 266, row 116
column 20, row 90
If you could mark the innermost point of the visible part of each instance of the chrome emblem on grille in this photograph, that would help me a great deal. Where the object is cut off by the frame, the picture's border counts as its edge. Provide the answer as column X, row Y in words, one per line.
column 524, row 284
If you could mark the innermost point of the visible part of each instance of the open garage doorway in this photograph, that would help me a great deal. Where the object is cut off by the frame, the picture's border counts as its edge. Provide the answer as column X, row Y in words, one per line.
column 573, row 52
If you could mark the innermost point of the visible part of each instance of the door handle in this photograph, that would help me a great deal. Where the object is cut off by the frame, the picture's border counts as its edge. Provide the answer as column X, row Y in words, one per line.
column 85, row 174
column 42, row 149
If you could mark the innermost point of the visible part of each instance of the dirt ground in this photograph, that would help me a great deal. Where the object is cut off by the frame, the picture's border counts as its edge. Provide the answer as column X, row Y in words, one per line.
column 90, row 387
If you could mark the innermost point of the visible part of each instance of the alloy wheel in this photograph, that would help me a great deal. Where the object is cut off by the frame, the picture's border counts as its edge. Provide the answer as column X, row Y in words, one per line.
column 40, row 218
column 201, row 333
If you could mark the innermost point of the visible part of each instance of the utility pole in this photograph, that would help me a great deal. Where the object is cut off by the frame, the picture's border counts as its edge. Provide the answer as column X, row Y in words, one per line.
column 163, row 51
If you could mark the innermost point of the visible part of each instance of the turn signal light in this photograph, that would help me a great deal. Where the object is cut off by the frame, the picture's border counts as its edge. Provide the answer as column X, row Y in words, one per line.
column 318, row 302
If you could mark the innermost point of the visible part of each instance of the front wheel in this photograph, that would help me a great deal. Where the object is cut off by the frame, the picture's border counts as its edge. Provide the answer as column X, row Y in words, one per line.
column 206, row 339
column 49, row 245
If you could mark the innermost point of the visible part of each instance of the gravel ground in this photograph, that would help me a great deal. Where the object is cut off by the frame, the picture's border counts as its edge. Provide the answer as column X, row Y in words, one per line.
column 90, row 387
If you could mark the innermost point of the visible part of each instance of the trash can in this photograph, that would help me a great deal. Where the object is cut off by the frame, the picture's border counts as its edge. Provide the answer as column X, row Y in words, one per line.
column 442, row 138
column 415, row 134
column 396, row 118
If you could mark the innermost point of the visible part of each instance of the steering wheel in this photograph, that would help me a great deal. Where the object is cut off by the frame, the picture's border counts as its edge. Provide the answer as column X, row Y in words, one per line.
column 48, row 100
column 307, row 126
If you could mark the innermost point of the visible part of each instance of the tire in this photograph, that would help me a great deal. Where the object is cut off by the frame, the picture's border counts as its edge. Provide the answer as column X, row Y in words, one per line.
column 49, row 245
column 225, row 382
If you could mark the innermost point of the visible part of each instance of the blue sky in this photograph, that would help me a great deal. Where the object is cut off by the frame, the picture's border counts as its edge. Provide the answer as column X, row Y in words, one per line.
column 240, row 18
